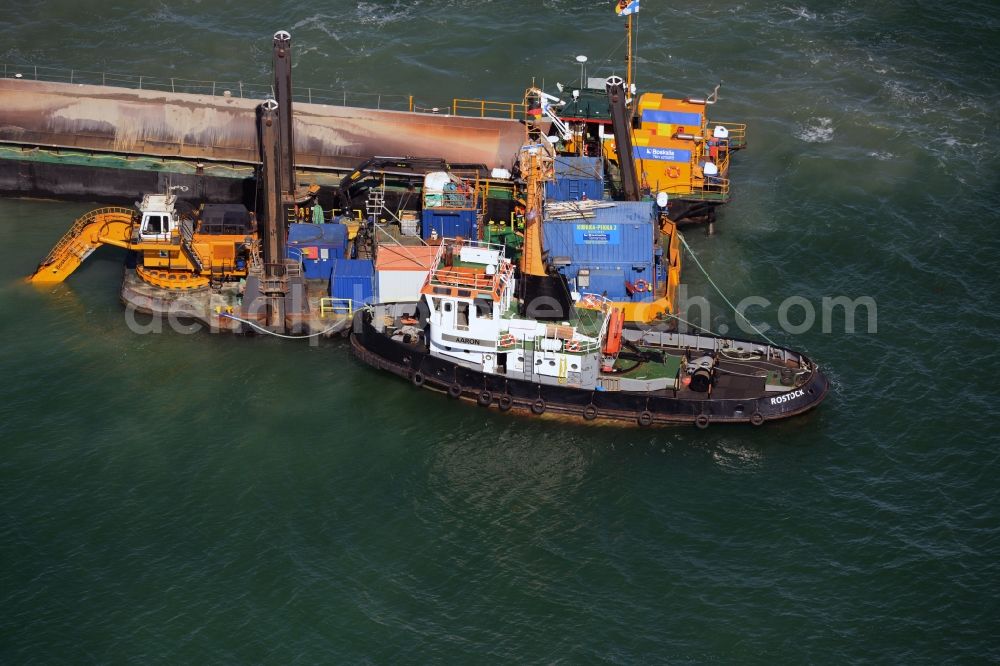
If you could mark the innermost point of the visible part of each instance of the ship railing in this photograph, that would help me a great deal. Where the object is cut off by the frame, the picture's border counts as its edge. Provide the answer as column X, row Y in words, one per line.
column 715, row 191
column 594, row 302
column 506, row 342
column 589, row 305
column 335, row 306
column 465, row 196
column 241, row 89
column 484, row 108
column 458, row 243
column 451, row 201
column 737, row 133
column 571, row 345
column 451, row 278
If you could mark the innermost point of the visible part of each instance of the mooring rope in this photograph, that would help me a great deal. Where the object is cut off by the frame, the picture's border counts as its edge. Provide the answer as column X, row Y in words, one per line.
column 728, row 302
column 277, row 335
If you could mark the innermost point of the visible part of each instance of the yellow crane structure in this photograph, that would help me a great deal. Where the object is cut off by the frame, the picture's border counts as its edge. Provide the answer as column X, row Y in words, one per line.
column 536, row 164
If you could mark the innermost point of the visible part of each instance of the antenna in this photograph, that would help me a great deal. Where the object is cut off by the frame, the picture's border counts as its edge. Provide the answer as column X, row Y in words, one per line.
column 582, row 59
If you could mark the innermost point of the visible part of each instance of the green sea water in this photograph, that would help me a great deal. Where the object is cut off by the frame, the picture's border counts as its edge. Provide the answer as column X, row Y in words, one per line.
column 175, row 498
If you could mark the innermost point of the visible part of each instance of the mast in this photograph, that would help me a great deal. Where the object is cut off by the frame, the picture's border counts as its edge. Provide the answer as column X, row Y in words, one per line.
column 272, row 228
column 628, row 56
column 270, row 220
column 622, row 127
column 283, row 95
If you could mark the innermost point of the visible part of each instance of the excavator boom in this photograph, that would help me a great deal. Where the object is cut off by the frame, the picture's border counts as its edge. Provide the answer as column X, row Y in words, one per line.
column 111, row 226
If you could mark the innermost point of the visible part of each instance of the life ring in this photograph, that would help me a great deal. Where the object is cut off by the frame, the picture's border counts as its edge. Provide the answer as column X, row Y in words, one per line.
column 484, row 398
column 572, row 345
column 590, row 301
column 673, row 172
column 418, row 379
column 455, row 390
column 505, row 402
column 641, row 285
column 507, row 340
column 409, row 321
column 702, row 421
column 590, row 412
column 645, row 418
column 538, row 407
column 756, row 419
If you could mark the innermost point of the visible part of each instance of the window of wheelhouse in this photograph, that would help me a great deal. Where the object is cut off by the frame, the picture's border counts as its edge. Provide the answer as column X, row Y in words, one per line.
column 462, row 318
column 484, row 308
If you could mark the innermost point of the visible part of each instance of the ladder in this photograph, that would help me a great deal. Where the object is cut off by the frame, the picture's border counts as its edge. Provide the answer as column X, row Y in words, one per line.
column 375, row 203
column 187, row 236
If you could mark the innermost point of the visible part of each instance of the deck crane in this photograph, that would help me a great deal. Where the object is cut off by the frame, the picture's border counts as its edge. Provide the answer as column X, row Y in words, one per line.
column 545, row 104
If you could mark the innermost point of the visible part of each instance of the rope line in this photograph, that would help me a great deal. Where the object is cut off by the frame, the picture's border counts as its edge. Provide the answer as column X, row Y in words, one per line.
column 724, row 297
column 278, row 335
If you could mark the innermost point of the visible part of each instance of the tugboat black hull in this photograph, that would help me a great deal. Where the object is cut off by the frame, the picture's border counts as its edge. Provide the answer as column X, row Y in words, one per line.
column 415, row 364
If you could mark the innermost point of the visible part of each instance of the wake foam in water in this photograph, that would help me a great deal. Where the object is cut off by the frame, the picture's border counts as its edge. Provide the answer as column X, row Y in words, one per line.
column 374, row 14
column 801, row 12
column 816, row 130
column 321, row 22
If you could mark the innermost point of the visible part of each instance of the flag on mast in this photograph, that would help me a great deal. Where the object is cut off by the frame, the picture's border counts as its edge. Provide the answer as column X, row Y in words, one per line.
column 626, row 7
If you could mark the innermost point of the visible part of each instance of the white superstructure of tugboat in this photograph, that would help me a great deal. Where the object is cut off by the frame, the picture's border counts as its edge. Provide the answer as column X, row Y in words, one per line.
column 470, row 337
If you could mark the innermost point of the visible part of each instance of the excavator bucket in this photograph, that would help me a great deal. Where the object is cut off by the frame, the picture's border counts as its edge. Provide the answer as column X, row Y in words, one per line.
column 112, row 226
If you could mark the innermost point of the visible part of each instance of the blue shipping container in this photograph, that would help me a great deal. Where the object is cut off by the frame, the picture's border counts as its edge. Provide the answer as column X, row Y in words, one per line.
column 610, row 281
column 353, row 279
column 619, row 234
column 579, row 168
column 448, row 223
column 574, row 189
column 316, row 246
column 576, row 178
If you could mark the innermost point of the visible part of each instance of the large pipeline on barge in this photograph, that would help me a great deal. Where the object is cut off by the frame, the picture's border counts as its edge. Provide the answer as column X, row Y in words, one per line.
column 88, row 142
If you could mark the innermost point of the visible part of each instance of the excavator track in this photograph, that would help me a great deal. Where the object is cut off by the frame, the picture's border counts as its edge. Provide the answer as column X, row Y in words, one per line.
column 167, row 279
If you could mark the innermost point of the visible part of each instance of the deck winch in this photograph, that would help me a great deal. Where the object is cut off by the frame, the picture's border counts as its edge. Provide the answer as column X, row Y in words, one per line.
column 701, row 372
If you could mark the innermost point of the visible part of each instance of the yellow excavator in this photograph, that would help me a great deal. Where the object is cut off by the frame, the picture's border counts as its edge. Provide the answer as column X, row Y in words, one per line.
column 177, row 250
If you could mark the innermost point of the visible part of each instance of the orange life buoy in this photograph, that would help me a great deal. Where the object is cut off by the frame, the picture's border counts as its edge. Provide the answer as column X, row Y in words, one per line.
column 673, row 172
column 589, row 301
column 642, row 285
column 572, row 345
column 507, row 340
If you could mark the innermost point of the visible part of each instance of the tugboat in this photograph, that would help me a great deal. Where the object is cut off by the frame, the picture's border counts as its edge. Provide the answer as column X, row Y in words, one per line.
column 518, row 338
column 469, row 336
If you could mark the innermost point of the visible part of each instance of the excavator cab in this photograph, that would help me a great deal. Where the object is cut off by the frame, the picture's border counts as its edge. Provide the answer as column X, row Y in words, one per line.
column 159, row 218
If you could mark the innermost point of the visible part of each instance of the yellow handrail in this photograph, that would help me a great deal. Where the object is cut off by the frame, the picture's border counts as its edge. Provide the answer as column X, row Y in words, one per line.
column 332, row 305
column 79, row 225
column 737, row 132
column 486, row 108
